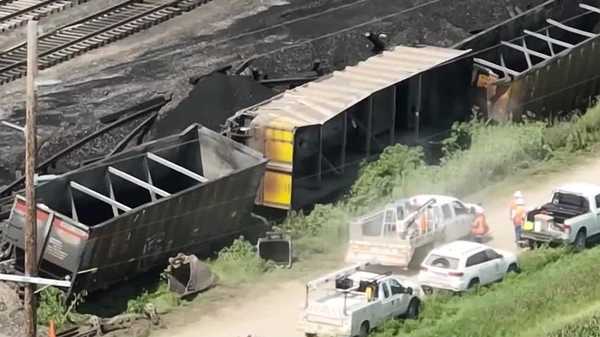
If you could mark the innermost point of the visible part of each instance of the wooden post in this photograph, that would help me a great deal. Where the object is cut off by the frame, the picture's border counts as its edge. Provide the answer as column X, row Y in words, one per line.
column 30, row 144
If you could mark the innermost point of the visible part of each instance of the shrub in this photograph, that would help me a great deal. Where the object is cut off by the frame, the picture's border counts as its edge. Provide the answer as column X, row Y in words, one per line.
column 162, row 299
column 239, row 263
column 53, row 306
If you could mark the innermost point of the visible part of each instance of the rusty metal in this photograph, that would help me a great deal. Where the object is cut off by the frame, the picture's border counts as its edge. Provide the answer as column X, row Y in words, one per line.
column 128, row 213
column 544, row 73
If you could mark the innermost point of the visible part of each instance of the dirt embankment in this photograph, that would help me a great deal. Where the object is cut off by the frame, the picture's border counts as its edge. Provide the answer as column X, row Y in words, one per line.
column 274, row 310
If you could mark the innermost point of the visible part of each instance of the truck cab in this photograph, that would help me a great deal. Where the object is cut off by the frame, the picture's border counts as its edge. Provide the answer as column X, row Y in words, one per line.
column 572, row 216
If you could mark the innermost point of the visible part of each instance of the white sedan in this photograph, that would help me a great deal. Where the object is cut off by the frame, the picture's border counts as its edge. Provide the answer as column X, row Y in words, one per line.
column 461, row 265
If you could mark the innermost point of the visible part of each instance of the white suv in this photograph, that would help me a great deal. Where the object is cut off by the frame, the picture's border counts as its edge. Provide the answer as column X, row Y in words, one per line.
column 461, row 265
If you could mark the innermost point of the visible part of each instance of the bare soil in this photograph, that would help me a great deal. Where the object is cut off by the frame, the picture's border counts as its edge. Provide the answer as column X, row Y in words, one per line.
column 273, row 309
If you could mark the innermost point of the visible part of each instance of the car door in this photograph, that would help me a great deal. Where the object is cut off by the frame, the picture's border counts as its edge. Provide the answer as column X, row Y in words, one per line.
column 462, row 220
column 448, row 222
column 387, row 304
column 400, row 298
column 499, row 266
column 478, row 265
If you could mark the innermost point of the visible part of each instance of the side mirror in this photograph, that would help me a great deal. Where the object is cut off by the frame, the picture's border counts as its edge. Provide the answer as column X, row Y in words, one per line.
column 409, row 290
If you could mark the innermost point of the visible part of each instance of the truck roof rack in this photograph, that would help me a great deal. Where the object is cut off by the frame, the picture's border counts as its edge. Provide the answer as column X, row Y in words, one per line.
column 337, row 275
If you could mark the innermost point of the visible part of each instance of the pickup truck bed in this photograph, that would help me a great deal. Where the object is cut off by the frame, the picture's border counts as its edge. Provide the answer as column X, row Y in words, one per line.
column 559, row 212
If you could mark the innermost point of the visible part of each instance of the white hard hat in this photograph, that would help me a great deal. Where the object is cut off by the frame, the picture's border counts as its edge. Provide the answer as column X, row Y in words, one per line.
column 518, row 195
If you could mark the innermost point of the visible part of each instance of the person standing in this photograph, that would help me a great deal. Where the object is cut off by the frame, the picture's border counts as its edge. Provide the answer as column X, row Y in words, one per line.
column 480, row 227
column 517, row 214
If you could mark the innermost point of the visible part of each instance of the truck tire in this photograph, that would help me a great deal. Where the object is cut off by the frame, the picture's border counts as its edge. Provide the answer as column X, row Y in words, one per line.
column 580, row 240
column 364, row 329
column 513, row 268
column 414, row 308
column 310, row 334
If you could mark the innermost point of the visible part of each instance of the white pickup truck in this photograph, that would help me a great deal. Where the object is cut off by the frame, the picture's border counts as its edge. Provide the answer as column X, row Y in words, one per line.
column 352, row 302
column 390, row 236
column 572, row 216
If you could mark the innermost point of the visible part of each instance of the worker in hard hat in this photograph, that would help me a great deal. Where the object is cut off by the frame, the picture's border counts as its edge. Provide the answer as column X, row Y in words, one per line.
column 480, row 228
column 517, row 214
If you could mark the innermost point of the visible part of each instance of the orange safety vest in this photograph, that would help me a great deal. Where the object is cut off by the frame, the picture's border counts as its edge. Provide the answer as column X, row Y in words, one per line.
column 480, row 226
column 518, row 216
column 423, row 222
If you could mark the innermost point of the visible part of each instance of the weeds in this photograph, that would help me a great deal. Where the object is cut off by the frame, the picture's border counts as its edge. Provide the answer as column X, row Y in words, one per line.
column 53, row 306
column 239, row 263
column 162, row 299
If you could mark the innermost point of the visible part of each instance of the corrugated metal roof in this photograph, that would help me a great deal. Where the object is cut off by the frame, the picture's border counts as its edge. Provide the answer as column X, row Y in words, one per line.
column 320, row 100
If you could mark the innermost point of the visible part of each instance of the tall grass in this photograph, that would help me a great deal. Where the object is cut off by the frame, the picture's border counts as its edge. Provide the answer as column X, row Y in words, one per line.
column 521, row 305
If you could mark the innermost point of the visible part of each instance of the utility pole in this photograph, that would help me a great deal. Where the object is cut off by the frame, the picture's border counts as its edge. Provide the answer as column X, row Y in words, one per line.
column 30, row 153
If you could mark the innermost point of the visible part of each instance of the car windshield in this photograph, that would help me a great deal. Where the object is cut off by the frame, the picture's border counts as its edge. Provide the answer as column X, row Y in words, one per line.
column 439, row 261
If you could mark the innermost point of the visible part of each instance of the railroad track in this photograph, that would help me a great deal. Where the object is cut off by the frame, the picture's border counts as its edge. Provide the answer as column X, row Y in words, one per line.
column 91, row 32
column 15, row 13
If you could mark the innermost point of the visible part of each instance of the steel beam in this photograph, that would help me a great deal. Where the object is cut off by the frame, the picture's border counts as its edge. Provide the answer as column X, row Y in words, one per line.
column 590, row 8
column 549, row 39
column 369, row 124
column 73, row 208
column 176, row 167
column 111, row 193
column 13, row 126
column 418, row 110
column 35, row 280
column 526, row 50
column 99, row 196
column 496, row 67
column 344, row 141
column 550, row 46
column 570, row 29
column 138, row 182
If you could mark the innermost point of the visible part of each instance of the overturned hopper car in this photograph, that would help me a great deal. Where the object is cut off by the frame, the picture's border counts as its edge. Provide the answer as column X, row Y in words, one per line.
column 315, row 135
column 127, row 214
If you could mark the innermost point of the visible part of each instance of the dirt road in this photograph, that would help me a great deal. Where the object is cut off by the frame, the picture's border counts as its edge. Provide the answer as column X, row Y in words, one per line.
column 275, row 312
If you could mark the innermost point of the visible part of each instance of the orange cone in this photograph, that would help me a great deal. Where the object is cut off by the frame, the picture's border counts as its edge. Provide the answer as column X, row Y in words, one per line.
column 51, row 330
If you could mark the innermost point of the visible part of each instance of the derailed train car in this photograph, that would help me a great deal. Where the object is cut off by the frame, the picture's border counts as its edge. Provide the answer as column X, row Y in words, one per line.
column 127, row 214
column 315, row 135
column 545, row 72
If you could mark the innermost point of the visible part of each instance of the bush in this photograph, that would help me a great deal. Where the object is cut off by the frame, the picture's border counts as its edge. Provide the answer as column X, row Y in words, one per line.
column 53, row 306
column 239, row 263
column 162, row 299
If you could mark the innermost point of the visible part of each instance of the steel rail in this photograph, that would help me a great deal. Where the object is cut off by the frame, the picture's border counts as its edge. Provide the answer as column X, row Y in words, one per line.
column 15, row 13
column 106, row 26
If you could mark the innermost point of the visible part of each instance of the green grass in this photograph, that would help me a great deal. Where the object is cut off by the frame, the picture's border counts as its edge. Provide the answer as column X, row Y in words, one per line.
column 555, row 284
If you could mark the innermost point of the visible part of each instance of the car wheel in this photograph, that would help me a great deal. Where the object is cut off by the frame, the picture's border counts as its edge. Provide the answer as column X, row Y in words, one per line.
column 310, row 334
column 513, row 268
column 474, row 283
column 414, row 308
column 580, row 241
column 364, row 330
